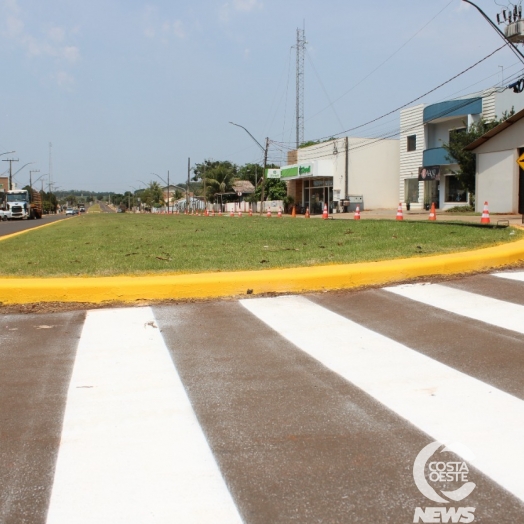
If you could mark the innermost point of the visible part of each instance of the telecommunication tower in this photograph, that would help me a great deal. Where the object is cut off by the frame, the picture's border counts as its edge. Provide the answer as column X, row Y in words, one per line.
column 301, row 51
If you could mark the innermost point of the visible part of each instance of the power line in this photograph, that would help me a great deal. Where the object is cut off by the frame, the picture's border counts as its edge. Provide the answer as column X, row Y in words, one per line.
column 416, row 99
column 385, row 61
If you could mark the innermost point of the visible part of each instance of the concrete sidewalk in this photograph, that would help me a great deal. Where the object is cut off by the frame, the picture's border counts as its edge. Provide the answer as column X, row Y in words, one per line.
column 390, row 214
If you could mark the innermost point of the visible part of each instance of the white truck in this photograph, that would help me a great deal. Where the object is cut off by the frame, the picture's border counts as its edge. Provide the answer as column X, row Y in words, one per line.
column 21, row 203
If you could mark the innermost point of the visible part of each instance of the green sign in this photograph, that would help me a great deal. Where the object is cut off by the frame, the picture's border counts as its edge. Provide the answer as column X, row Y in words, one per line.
column 273, row 173
column 304, row 170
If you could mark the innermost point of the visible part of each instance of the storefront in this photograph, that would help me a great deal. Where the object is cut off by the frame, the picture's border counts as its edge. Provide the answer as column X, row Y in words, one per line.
column 311, row 186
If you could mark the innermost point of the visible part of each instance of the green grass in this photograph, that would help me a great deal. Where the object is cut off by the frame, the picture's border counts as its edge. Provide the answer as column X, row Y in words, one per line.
column 115, row 244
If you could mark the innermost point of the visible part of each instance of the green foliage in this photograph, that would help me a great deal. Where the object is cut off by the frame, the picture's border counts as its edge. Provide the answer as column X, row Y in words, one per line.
column 251, row 172
column 274, row 189
column 153, row 195
column 466, row 160
column 314, row 142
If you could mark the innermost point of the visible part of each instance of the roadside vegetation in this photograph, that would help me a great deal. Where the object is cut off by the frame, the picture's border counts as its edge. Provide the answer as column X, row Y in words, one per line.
column 116, row 244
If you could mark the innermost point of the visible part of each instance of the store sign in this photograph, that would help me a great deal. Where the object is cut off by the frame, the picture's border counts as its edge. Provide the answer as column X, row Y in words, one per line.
column 304, row 170
column 429, row 173
column 520, row 161
column 273, row 173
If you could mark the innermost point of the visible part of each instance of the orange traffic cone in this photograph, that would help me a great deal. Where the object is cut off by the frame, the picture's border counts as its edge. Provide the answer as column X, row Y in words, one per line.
column 357, row 213
column 294, row 212
column 432, row 213
column 231, row 214
column 239, row 213
column 279, row 215
column 485, row 214
column 400, row 216
column 250, row 213
column 220, row 212
column 268, row 214
column 307, row 215
column 325, row 213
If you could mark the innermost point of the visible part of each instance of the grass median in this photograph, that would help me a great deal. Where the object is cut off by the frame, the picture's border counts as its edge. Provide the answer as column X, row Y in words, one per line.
column 128, row 244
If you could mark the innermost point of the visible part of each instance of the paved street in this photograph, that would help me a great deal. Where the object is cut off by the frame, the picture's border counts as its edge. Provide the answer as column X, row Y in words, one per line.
column 14, row 226
column 287, row 409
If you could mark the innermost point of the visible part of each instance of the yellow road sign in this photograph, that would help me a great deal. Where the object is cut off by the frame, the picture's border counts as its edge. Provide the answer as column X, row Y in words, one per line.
column 520, row 161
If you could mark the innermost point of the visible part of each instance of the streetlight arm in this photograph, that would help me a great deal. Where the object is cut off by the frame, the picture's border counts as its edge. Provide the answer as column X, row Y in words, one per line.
column 501, row 34
column 258, row 143
column 160, row 178
column 25, row 165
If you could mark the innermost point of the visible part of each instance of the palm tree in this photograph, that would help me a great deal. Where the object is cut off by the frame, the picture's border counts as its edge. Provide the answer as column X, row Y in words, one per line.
column 220, row 180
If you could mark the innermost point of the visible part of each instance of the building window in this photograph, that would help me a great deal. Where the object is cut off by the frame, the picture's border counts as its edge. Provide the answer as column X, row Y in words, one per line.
column 411, row 190
column 453, row 132
column 412, row 143
column 454, row 191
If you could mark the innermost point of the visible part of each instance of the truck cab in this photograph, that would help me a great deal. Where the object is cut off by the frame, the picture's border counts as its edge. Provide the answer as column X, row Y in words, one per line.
column 20, row 204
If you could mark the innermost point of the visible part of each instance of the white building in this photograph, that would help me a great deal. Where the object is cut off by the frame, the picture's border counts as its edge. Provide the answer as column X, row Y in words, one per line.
column 499, row 177
column 357, row 170
column 426, row 173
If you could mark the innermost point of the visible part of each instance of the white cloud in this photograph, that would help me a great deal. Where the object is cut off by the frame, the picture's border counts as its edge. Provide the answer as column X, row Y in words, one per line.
column 56, row 34
column 244, row 6
column 247, row 5
column 64, row 79
column 71, row 54
column 178, row 29
column 14, row 29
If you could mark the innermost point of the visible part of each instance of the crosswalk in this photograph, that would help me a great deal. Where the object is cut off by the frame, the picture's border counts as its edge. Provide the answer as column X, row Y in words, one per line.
column 265, row 410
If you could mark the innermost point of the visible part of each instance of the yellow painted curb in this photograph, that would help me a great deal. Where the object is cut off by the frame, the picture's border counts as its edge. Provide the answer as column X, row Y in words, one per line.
column 11, row 235
column 214, row 285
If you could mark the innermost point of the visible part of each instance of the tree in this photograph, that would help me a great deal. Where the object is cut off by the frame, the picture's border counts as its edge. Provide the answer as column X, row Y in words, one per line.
column 153, row 195
column 219, row 178
column 251, row 172
column 466, row 160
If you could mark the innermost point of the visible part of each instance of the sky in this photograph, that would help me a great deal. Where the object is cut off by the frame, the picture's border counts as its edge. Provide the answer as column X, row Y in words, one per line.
column 126, row 88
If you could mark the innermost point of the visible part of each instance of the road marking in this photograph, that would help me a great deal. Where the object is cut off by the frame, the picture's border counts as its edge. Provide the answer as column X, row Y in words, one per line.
column 517, row 275
column 132, row 450
column 439, row 400
column 471, row 305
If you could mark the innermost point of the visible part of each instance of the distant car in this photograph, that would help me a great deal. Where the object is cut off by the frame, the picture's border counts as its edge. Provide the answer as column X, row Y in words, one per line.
column 70, row 211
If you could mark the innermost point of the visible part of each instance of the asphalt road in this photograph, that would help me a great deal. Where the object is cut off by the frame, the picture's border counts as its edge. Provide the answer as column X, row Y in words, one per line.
column 14, row 226
column 269, row 410
column 105, row 208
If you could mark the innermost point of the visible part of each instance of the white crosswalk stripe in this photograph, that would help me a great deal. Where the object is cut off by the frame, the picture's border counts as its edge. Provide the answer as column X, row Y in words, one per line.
column 514, row 275
column 132, row 450
column 489, row 310
column 444, row 403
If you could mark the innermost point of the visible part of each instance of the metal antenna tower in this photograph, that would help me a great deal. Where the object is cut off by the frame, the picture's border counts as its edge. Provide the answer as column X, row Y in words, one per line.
column 301, row 51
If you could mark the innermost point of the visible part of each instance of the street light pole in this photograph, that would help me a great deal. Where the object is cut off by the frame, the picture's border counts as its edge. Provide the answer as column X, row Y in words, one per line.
column 265, row 150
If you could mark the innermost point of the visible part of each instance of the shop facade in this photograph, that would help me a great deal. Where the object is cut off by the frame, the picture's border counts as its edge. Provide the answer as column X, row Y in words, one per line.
column 340, row 171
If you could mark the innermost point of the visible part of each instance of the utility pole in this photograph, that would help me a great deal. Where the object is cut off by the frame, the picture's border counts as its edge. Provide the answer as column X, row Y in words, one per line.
column 50, row 166
column 264, row 177
column 347, row 168
column 31, row 177
column 187, row 189
column 10, row 160
column 168, row 191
